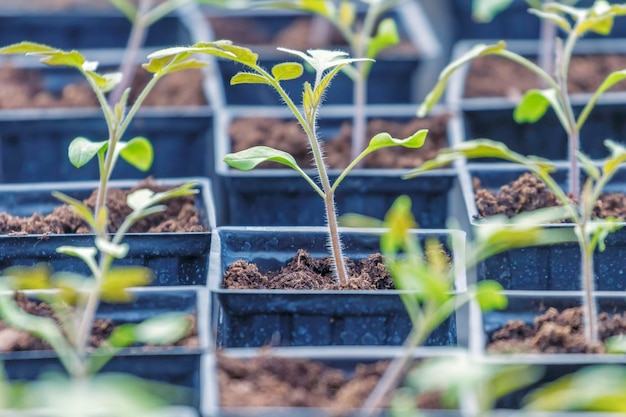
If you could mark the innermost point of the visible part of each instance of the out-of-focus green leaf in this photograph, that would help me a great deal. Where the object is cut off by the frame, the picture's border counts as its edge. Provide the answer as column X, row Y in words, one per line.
column 36, row 277
column 249, row 159
column 117, row 281
column 386, row 36
column 138, row 152
column 534, row 104
column 287, row 71
column 485, row 10
column 489, row 296
column 81, row 150
column 117, row 251
column 163, row 329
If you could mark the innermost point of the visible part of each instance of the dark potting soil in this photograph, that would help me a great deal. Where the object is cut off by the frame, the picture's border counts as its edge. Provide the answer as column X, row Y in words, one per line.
column 555, row 332
column 493, row 76
column 24, row 88
column 303, row 272
column 267, row 381
column 298, row 35
column 12, row 340
column 288, row 136
column 180, row 215
column 529, row 193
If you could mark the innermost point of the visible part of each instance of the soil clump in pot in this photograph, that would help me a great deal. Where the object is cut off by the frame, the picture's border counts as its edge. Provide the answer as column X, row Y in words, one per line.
column 25, row 88
column 180, row 215
column 267, row 381
column 13, row 340
column 555, row 332
column 529, row 193
column 493, row 76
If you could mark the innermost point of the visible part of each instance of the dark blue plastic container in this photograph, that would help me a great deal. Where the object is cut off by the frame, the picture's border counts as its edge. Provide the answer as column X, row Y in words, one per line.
column 252, row 318
column 180, row 366
column 279, row 197
column 34, row 142
column 346, row 360
column 393, row 78
column 549, row 267
column 526, row 305
column 175, row 258
column 492, row 117
column 82, row 28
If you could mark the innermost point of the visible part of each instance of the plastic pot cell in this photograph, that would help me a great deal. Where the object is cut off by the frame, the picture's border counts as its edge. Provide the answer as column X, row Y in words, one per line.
column 336, row 358
column 393, row 78
column 175, row 258
column 82, row 28
column 492, row 117
column 175, row 365
column 280, row 196
column 34, row 141
column 526, row 306
column 252, row 318
column 547, row 267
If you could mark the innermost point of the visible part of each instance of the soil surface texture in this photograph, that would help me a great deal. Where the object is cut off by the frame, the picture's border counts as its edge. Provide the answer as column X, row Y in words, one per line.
column 529, row 193
column 299, row 35
column 24, row 88
column 555, row 332
column 180, row 215
column 12, row 340
column 288, row 136
column 267, row 381
column 493, row 76
column 303, row 272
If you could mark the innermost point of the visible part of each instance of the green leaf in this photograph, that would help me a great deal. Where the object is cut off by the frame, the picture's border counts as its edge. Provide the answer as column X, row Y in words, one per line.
column 398, row 220
column 322, row 60
column 321, row 7
column 183, row 65
column 287, row 71
column 249, row 159
column 117, row 281
column 481, row 148
column 435, row 94
column 35, row 277
column 164, row 329
column 358, row 220
column 248, row 78
column 489, row 296
column 601, row 25
column 618, row 157
column 385, row 140
column 534, row 104
column 386, row 36
column 346, row 13
column 485, row 10
column 83, row 211
column 106, row 82
column 616, row 344
column 118, row 251
column 126, row 7
column 555, row 18
column 138, row 152
column 239, row 54
column 82, row 150
column 140, row 199
column 27, row 48
column 87, row 254
column 587, row 164
column 62, row 58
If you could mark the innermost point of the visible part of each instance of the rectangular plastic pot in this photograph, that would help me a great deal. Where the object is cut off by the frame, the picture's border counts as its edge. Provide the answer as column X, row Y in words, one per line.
column 34, row 142
column 526, row 305
column 180, row 366
column 280, row 197
column 548, row 267
column 492, row 117
column 252, row 318
column 175, row 258
column 344, row 359
column 84, row 28
column 393, row 78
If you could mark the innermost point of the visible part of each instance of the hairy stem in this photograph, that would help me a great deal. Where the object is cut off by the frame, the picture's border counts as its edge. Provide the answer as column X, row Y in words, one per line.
column 129, row 63
column 590, row 314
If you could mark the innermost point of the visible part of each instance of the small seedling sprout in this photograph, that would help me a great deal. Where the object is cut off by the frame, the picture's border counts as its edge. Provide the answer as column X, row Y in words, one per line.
column 365, row 39
column 590, row 232
column 76, row 299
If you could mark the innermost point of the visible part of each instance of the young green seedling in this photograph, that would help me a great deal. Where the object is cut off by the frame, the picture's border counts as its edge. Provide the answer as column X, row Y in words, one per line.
column 365, row 39
column 426, row 280
column 534, row 104
column 75, row 300
column 327, row 65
